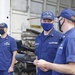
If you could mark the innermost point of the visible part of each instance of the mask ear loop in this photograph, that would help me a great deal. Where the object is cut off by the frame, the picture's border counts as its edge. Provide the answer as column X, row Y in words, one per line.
column 63, row 22
column 60, row 25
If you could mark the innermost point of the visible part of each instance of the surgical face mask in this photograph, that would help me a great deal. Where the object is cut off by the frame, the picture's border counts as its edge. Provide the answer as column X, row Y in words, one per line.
column 47, row 26
column 2, row 31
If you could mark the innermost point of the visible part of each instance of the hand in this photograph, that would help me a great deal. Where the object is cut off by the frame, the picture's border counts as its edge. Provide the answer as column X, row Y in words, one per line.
column 10, row 69
column 35, row 62
column 44, row 69
column 41, row 64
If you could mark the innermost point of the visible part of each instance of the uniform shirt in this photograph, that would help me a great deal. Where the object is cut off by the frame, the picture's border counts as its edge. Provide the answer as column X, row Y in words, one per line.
column 66, row 50
column 7, row 46
column 46, row 48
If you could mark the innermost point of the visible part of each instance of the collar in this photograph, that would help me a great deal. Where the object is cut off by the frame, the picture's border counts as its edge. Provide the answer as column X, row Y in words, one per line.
column 5, row 37
column 68, row 32
column 50, row 34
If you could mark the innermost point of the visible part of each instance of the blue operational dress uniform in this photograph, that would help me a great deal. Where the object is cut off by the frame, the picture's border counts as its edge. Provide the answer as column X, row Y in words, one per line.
column 7, row 46
column 46, row 48
column 66, row 50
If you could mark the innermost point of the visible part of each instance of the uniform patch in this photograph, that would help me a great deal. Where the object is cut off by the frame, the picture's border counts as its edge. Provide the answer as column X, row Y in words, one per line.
column 6, row 43
column 36, row 43
column 53, row 42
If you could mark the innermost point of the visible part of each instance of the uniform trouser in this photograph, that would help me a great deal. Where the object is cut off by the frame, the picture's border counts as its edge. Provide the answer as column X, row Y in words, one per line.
column 5, row 73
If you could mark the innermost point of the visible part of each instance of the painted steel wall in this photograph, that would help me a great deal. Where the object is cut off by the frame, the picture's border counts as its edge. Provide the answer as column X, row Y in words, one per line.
column 28, row 12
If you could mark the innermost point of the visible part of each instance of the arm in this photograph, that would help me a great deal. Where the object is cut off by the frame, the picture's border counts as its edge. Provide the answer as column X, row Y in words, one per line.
column 62, row 68
column 13, row 62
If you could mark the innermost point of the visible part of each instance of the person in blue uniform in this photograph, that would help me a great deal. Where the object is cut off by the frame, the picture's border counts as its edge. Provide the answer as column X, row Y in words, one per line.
column 47, row 42
column 8, row 50
column 64, row 63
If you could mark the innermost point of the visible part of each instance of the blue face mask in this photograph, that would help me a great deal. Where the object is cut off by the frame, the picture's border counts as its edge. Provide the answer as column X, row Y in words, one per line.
column 47, row 26
column 2, row 32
